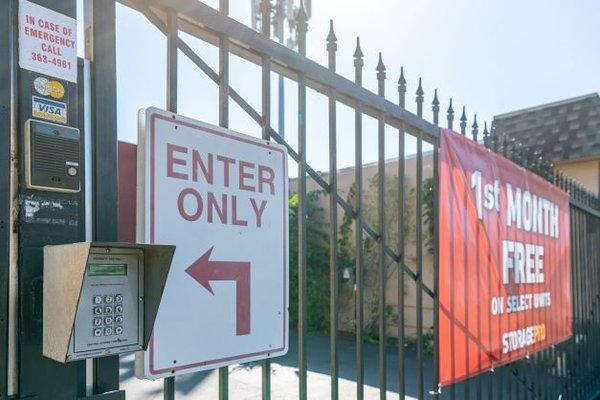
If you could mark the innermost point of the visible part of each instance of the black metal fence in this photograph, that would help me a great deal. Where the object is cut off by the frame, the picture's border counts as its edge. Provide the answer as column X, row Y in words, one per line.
column 569, row 370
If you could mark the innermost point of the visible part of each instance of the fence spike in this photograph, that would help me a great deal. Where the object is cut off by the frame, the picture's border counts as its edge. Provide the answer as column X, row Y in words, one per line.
column 302, row 19
column 402, row 89
column 358, row 63
column 463, row 122
column 331, row 38
column 331, row 46
column 486, row 135
column 381, row 76
column 435, row 107
column 419, row 99
column 475, row 128
column 358, row 52
column 450, row 116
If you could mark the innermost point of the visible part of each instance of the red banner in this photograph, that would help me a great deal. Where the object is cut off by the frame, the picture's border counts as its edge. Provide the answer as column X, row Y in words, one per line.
column 505, row 273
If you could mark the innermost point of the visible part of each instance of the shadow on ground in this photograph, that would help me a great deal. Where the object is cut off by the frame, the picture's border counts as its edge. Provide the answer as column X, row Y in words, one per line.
column 245, row 380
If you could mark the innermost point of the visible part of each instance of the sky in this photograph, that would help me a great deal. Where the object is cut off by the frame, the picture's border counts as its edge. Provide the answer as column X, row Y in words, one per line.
column 491, row 56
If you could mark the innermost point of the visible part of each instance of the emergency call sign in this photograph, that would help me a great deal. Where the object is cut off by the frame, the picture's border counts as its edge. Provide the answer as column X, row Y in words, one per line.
column 221, row 198
column 47, row 41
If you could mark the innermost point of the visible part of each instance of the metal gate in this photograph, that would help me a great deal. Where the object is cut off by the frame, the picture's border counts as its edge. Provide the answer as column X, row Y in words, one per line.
column 568, row 371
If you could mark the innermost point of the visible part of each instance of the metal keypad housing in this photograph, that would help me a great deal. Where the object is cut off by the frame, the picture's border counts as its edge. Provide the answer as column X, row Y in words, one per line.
column 110, row 308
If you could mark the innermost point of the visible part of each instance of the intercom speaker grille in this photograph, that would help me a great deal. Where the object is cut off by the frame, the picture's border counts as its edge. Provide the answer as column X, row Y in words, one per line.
column 53, row 157
column 50, row 153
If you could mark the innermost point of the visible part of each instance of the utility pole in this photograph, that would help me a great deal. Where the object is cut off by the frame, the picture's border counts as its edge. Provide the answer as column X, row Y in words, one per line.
column 284, row 10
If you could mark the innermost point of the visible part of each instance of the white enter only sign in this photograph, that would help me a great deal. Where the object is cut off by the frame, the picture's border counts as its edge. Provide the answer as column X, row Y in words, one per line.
column 221, row 198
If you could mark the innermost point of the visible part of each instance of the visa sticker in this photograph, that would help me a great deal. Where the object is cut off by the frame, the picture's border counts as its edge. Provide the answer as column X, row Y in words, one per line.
column 50, row 110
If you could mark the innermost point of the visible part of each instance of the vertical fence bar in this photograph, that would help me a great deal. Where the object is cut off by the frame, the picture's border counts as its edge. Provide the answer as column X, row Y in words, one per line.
column 436, row 244
column 302, row 292
column 574, row 277
column 104, row 143
column 450, row 119
column 333, row 222
column 266, row 124
column 172, row 40
column 224, row 122
column 580, row 303
column 587, row 302
column 466, row 382
column 419, row 239
column 358, row 232
column 401, row 258
column 381, row 227
column 224, row 71
column 478, row 387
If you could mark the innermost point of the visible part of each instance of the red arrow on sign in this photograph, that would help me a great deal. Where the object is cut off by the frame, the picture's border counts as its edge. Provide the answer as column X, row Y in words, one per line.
column 203, row 271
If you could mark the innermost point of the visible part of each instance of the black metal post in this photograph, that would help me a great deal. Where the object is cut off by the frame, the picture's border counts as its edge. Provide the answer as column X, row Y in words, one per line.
column 8, row 67
column 172, row 41
column 224, row 122
column 104, row 138
column 302, row 209
column 265, row 8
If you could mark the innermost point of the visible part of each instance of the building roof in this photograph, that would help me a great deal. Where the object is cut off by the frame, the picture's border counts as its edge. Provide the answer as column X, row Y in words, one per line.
column 563, row 130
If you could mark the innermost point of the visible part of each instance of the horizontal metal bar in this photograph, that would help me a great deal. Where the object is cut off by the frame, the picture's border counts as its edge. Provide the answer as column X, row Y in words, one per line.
column 583, row 207
column 207, row 23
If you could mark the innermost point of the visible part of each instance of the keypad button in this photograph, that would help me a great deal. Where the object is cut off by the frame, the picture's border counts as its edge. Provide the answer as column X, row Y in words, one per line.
column 97, row 321
column 97, row 332
column 97, row 299
column 108, row 299
column 119, row 319
column 108, row 320
column 97, row 310
column 118, row 309
column 118, row 298
column 108, row 310
column 118, row 330
column 108, row 331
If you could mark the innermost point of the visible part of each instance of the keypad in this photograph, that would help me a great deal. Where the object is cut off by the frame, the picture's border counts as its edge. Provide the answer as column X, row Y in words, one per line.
column 108, row 315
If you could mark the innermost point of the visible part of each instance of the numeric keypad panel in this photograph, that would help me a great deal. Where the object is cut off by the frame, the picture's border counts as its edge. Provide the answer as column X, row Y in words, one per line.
column 107, row 315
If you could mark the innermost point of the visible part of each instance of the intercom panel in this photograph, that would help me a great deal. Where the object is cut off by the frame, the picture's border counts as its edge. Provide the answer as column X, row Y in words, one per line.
column 101, row 298
column 110, row 310
column 52, row 156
